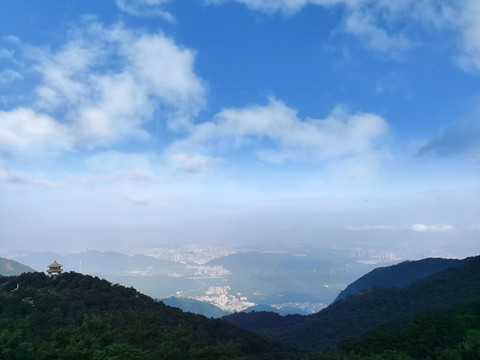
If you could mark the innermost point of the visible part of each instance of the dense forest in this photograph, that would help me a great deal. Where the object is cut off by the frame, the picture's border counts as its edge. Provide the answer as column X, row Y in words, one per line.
column 366, row 310
column 74, row 316
column 400, row 275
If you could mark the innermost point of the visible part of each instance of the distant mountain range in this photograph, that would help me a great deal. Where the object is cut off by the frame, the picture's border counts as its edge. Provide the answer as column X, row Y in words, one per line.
column 92, row 261
column 147, row 274
column 10, row 267
column 293, row 283
column 367, row 309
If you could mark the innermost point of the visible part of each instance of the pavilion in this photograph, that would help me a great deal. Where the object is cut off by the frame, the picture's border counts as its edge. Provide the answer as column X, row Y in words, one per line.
column 54, row 269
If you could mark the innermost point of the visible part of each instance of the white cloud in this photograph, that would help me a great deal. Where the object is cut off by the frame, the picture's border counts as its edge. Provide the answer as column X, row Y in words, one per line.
column 469, row 22
column 7, row 76
column 27, row 132
column 148, row 8
column 136, row 198
column 23, row 179
column 364, row 19
column 362, row 24
column 372, row 227
column 412, row 227
column 194, row 163
column 115, row 160
column 103, row 86
column 460, row 138
column 5, row 53
column 386, row 26
column 285, row 6
column 339, row 135
column 115, row 179
column 435, row 228
column 133, row 176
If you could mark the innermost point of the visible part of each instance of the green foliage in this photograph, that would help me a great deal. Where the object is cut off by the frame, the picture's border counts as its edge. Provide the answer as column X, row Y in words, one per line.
column 400, row 275
column 452, row 333
column 366, row 310
column 82, row 317
column 74, row 316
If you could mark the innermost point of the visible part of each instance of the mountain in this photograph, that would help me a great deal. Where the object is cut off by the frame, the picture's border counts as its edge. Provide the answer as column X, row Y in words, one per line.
column 452, row 333
column 195, row 306
column 11, row 267
column 400, row 275
column 365, row 310
column 97, row 262
column 147, row 274
column 76, row 316
column 303, row 282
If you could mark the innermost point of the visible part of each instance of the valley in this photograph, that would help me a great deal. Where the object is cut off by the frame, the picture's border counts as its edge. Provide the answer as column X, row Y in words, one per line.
column 301, row 281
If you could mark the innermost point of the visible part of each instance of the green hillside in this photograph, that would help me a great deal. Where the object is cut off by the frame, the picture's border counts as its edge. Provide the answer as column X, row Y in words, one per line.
column 75, row 316
column 366, row 310
column 11, row 267
column 452, row 333
column 400, row 275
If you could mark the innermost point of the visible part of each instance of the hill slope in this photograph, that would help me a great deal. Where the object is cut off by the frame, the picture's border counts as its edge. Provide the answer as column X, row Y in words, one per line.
column 81, row 317
column 452, row 333
column 363, row 311
column 11, row 267
column 195, row 306
column 400, row 275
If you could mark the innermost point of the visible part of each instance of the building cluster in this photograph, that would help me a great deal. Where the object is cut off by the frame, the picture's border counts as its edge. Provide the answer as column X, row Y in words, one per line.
column 220, row 297
column 189, row 254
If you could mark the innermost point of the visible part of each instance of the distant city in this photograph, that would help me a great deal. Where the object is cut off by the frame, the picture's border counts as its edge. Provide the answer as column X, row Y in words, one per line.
column 234, row 279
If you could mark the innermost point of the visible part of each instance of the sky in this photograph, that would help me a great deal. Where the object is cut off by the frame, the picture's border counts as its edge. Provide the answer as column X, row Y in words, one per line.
column 128, row 124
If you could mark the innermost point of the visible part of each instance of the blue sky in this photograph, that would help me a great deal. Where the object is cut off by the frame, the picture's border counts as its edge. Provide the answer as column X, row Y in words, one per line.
column 127, row 124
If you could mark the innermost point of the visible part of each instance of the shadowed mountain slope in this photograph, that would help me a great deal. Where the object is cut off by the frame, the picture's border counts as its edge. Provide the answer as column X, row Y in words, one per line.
column 365, row 310
column 400, row 275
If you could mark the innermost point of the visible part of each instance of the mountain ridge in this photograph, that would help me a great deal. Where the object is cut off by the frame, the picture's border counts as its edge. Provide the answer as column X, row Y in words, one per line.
column 90, row 318
column 400, row 275
column 365, row 310
column 11, row 267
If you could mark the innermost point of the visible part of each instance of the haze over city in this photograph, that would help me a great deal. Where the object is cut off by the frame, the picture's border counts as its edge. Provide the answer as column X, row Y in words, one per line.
column 128, row 125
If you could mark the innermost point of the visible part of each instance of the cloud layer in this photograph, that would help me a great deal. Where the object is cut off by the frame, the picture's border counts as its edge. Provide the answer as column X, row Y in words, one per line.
column 413, row 227
column 105, row 85
column 385, row 26
column 276, row 134
column 148, row 8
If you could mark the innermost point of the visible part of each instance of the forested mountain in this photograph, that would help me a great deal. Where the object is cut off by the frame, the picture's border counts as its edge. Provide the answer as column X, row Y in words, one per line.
column 74, row 316
column 363, row 311
column 11, row 267
column 441, row 333
column 400, row 275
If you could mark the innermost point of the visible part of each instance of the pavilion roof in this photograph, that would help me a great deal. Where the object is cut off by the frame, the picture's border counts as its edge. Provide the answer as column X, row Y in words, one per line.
column 55, row 264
